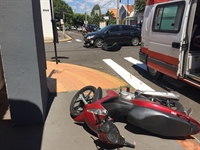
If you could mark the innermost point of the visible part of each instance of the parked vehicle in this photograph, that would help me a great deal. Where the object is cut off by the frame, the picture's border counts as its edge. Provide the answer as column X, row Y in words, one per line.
column 170, row 42
column 92, row 28
column 157, row 112
column 79, row 29
column 121, row 34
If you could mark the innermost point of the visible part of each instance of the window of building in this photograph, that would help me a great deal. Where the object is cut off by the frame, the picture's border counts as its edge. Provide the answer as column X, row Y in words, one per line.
column 168, row 18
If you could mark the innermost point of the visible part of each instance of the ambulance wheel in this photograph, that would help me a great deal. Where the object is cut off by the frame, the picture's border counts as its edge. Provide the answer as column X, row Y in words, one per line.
column 154, row 73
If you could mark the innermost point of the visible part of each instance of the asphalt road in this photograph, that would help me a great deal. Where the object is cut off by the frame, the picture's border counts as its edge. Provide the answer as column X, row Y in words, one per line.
column 73, row 52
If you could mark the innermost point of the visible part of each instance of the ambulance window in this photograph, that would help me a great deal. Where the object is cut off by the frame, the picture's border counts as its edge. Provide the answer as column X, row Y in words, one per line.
column 168, row 18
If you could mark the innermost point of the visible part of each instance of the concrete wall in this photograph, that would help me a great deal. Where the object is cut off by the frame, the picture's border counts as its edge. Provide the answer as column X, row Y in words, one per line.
column 46, row 19
column 23, row 58
column 1, row 73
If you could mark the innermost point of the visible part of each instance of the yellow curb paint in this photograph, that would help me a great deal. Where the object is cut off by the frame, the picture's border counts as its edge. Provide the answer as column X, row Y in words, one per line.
column 189, row 144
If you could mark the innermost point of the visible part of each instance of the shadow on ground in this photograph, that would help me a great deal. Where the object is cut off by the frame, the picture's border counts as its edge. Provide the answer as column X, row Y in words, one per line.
column 187, row 90
column 21, row 133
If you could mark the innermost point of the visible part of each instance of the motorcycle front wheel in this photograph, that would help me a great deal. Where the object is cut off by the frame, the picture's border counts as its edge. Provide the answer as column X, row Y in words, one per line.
column 77, row 105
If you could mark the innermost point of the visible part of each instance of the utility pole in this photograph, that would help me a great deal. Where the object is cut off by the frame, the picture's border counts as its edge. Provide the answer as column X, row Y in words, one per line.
column 117, row 19
column 128, row 15
column 63, row 24
column 85, row 14
column 55, row 32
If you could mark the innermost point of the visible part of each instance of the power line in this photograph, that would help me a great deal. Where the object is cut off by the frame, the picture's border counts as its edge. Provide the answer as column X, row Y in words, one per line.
column 106, row 3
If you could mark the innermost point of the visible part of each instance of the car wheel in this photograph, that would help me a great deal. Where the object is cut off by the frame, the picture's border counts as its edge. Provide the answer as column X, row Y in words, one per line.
column 98, row 43
column 135, row 41
column 154, row 73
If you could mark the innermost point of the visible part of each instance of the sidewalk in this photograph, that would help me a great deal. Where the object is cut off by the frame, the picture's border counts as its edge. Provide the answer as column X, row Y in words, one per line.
column 69, row 77
column 61, row 38
column 60, row 131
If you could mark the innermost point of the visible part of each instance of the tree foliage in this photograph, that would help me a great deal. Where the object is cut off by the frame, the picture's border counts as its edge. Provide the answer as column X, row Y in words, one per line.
column 96, row 9
column 59, row 7
column 112, row 19
column 78, row 19
column 140, row 5
column 96, row 15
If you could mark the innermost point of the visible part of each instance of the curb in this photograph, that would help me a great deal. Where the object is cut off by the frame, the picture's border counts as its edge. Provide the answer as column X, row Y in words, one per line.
column 68, row 38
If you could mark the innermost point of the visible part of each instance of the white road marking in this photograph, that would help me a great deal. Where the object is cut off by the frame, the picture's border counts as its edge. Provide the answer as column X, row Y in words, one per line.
column 174, row 82
column 136, row 62
column 128, row 77
column 78, row 40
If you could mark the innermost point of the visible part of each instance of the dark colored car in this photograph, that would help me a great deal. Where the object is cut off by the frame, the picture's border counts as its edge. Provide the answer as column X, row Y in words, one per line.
column 121, row 34
column 92, row 28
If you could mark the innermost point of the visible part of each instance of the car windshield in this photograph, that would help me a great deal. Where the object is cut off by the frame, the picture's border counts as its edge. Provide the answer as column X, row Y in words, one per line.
column 104, row 29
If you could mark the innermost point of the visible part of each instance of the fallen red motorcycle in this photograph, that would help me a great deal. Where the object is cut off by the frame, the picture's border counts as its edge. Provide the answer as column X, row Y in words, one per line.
column 157, row 112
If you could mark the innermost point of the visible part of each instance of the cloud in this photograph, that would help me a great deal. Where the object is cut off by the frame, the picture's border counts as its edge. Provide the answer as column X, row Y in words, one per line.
column 80, row 7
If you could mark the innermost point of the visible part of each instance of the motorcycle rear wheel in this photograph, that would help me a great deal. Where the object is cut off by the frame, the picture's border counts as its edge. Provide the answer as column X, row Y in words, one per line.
column 77, row 106
column 176, row 105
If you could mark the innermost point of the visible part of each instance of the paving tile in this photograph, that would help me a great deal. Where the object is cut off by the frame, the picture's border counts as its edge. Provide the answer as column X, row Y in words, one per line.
column 71, row 77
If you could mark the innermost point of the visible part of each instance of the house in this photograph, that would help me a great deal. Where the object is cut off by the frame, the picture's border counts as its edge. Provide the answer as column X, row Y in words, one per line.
column 128, row 15
column 114, row 11
column 124, row 12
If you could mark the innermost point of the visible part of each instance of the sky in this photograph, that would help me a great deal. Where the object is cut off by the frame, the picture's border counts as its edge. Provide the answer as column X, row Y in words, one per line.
column 78, row 6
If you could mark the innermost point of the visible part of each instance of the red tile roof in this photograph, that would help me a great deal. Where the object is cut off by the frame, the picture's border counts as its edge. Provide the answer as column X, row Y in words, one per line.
column 130, row 8
column 114, row 11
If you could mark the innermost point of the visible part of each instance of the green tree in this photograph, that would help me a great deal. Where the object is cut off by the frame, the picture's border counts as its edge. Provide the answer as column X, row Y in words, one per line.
column 78, row 19
column 59, row 7
column 140, row 5
column 112, row 19
column 96, row 15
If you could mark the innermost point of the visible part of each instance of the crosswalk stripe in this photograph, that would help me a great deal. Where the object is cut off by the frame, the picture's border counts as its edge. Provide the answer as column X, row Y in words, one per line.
column 136, row 62
column 78, row 40
column 128, row 77
column 174, row 82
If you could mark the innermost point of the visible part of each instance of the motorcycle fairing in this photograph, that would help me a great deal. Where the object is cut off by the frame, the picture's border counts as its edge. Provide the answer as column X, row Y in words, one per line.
column 117, row 106
column 110, row 95
column 160, row 123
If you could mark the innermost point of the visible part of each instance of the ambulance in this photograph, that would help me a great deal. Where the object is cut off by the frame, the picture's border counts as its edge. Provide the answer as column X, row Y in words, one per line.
column 171, row 39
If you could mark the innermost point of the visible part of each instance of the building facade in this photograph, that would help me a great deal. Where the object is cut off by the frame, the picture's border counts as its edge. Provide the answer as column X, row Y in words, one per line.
column 46, row 19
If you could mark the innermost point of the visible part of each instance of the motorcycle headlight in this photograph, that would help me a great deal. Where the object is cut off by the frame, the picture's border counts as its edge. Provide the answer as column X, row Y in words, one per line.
column 111, row 132
column 90, row 37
